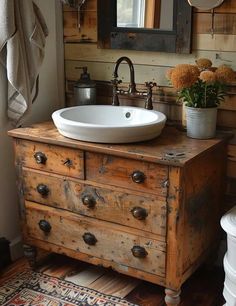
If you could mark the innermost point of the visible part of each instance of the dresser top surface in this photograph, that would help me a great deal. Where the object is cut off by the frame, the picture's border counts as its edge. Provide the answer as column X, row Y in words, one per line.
column 172, row 147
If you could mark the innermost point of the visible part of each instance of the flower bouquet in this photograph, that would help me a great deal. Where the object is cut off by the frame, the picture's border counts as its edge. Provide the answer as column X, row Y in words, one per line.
column 201, row 88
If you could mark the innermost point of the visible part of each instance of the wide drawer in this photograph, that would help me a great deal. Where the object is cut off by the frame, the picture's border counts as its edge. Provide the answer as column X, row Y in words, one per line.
column 123, row 172
column 146, row 212
column 96, row 238
column 50, row 158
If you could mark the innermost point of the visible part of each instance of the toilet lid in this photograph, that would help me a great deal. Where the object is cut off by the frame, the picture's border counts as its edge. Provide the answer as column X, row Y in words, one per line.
column 205, row 4
column 228, row 222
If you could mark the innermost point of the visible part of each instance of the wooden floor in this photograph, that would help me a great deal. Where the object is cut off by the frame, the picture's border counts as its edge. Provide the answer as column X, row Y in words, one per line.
column 204, row 288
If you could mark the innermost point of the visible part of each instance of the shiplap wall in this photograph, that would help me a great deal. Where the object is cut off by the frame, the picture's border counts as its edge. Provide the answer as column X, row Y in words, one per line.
column 214, row 37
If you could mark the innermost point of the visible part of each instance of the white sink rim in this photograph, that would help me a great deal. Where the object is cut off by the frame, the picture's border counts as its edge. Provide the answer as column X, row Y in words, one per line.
column 58, row 115
column 110, row 133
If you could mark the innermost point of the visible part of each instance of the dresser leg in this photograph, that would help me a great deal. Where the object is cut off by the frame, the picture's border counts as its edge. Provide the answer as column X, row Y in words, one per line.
column 172, row 297
column 30, row 253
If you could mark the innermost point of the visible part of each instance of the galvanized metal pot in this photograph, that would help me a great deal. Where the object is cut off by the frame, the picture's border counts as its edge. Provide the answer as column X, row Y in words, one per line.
column 84, row 89
column 201, row 122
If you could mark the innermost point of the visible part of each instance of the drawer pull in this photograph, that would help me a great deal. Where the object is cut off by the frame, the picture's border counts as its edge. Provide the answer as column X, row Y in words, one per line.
column 89, row 239
column 43, row 190
column 139, row 251
column 68, row 163
column 45, row 226
column 139, row 213
column 89, row 201
column 138, row 177
column 40, row 158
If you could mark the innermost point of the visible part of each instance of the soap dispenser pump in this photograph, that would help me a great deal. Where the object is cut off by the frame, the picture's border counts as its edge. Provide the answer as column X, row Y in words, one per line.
column 85, row 89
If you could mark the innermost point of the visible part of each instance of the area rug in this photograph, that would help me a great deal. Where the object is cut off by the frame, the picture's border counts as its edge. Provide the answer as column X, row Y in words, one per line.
column 36, row 289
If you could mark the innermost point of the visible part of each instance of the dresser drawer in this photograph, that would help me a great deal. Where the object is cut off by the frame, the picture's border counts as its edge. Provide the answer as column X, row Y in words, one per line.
column 132, row 174
column 96, row 238
column 50, row 158
column 146, row 212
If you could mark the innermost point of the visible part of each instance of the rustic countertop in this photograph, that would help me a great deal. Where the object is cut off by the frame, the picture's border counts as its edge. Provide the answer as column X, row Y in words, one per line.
column 172, row 147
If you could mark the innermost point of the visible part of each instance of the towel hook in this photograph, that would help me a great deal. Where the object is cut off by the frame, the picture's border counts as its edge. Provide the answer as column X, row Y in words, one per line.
column 77, row 4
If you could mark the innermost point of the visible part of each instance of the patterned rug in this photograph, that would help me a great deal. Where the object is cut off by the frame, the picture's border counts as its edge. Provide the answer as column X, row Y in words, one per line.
column 37, row 289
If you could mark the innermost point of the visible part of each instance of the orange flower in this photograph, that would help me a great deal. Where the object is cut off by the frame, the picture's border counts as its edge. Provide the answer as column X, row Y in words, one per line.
column 169, row 73
column 213, row 69
column 184, row 76
column 225, row 74
column 208, row 76
column 203, row 63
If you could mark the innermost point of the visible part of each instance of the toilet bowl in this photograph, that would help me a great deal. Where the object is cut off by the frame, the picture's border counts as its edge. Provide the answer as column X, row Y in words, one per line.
column 229, row 292
column 228, row 223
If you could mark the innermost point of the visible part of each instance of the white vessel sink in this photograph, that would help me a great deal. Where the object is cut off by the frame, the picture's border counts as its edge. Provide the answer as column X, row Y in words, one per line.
column 109, row 124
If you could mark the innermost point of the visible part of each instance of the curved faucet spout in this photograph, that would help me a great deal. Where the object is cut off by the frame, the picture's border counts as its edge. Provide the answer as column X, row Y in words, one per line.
column 132, row 85
column 132, row 91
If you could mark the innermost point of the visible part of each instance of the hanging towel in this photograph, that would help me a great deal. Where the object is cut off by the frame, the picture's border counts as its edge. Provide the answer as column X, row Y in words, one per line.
column 23, row 33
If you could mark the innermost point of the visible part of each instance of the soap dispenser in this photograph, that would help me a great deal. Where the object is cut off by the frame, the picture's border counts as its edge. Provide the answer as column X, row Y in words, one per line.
column 85, row 89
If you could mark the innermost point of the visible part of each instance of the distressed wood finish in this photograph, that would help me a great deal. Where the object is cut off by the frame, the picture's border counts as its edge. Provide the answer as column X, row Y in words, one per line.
column 113, row 204
column 119, row 171
column 88, row 29
column 172, row 147
column 57, row 159
column 67, row 230
column 203, row 209
column 176, row 40
column 50, row 247
column 180, row 196
column 175, row 228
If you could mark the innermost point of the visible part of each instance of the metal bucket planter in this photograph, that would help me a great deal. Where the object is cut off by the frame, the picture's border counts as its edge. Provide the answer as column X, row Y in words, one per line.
column 201, row 122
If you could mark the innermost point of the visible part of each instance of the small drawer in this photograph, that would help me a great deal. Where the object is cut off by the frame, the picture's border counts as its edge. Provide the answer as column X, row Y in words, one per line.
column 132, row 174
column 141, row 211
column 96, row 238
column 50, row 158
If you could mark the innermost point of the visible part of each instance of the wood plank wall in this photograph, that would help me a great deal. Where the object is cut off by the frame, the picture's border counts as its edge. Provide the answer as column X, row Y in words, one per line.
column 214, row 37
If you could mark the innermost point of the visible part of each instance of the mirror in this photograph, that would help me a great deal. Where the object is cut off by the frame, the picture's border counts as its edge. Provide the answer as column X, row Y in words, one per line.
column 145, row 14
column 205, row 5
column 146, row 25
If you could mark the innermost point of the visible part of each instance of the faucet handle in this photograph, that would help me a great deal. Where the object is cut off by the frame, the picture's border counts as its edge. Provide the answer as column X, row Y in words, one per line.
column 115, row 100
column 115, row 82
column 150, row 85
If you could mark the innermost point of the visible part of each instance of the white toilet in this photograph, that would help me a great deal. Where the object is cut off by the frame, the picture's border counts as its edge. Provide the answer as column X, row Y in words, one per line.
column 228, row 223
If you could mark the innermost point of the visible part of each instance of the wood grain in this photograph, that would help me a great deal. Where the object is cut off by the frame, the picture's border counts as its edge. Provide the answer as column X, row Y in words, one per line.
column 174, row 230
column 218, row 24
column 87, row 32
column 172, row 147
column 113, row 205
column 118, row 172
column 112, row 243
column 181, row 190
column 203, row 208
column 58, row 159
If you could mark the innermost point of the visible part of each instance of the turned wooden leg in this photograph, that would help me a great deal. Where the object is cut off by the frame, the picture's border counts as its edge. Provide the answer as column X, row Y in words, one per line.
column 30, row 253
column 172, row 297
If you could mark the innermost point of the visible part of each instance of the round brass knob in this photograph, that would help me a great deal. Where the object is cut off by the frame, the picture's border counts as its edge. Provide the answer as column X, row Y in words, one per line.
column 43, row 190
column 40, row 158
column 139, row 213
column 138, row 177
column 88, row 201
column 89, row 239
column 45, row 226
column 139, row 251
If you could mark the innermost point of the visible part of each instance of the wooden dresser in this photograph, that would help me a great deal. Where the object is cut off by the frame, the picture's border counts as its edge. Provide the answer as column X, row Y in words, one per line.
column 150, row 210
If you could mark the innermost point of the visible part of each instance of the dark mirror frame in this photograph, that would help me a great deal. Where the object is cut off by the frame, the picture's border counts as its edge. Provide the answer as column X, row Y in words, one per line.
column 176, row 41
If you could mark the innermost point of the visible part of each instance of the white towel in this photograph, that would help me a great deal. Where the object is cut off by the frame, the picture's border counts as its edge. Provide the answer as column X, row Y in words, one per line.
column 23, row 34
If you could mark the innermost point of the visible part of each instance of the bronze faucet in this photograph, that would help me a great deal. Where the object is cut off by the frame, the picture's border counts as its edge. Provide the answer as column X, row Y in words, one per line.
column 132, row 86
